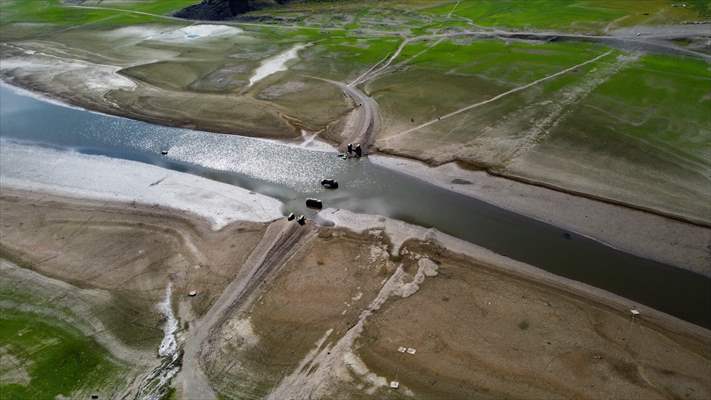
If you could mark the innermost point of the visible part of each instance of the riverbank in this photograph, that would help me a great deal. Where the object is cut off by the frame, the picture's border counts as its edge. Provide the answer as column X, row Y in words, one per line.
column 637, row 232
column 644, row 234
column 99, row 178
column 366, row 285
column 104, row 266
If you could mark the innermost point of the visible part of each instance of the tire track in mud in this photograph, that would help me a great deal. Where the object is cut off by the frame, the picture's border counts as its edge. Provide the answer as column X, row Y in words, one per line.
column 279, row 242
column 332, row 361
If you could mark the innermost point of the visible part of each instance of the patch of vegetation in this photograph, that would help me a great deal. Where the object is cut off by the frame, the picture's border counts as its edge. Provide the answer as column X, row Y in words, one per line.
column 663, row 101
column 510, row 63
column 58, row 359
column 579, row 15
column 703, row 7
column 60, row 14
column 361, row 51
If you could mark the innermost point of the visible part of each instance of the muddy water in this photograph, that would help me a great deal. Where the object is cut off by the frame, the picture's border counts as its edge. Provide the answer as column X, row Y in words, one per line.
column 291, row 174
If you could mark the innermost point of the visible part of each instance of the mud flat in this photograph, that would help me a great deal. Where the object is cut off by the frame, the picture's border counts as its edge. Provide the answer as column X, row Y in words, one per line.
column 372, row 302
column 118, row 89
column 101, row 178
column 104, row 267
column 360, row 304
column 644, row 234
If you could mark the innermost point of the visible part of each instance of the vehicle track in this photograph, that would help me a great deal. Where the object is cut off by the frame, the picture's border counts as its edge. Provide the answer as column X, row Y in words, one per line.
column 279, row 242
column 498, row 96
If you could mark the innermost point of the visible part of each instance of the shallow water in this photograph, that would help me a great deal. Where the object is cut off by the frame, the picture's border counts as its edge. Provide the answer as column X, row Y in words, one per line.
column 292, row 174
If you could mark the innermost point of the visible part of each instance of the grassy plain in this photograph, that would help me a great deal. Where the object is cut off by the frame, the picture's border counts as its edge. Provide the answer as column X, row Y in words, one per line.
column 49, row 359
column 644, row 136
column 577, row 15
column 58, row 13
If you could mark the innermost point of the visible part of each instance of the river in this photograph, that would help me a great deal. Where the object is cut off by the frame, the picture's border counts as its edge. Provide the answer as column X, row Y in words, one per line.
column 292, row 174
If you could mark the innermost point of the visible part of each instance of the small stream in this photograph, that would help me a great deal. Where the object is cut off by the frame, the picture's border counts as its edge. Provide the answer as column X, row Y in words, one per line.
column 291, row 174
column 155, row 385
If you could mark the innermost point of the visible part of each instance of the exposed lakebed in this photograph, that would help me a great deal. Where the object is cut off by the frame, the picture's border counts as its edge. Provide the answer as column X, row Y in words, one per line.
column 291, row 174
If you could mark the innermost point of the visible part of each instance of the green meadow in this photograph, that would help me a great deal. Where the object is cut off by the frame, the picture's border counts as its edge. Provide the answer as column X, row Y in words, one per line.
column 54, row 359
column 579, row 15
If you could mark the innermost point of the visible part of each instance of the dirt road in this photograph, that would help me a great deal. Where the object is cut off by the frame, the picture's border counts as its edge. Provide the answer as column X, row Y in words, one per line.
column 277, row 244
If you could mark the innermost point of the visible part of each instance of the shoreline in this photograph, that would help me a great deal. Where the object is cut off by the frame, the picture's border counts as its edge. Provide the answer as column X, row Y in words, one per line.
column 33, row 168
column 403, row 242
column 651, row 235
column 400, row 232
column 633, row 231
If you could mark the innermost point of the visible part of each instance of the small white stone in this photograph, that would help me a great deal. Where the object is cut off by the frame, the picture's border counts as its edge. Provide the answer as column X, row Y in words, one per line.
column 411, row 350
column 192, row 293
column 402, row 349
column 394, row 384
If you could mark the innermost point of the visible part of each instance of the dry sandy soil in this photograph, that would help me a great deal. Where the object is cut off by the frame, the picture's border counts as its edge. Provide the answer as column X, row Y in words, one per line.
column 330, row 323
column 113, row 263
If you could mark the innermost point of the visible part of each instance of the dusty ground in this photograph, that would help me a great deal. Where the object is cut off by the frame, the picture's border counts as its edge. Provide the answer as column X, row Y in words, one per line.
column 331, row 324
column 156, row 73
column 330, row 321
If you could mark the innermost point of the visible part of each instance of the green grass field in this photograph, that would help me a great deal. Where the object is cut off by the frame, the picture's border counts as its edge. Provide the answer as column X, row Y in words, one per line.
column 585, row 15
column 58, row 359
column 54, row 12
column 661, row 102
column 510, row 63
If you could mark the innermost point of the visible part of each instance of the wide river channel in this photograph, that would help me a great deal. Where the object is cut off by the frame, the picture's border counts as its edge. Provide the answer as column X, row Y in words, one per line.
column 291, row 174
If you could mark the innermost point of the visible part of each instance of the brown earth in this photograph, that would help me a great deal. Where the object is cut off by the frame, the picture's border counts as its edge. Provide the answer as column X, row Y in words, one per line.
column 330, row 322
column 130, row 251
column 476, row 330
